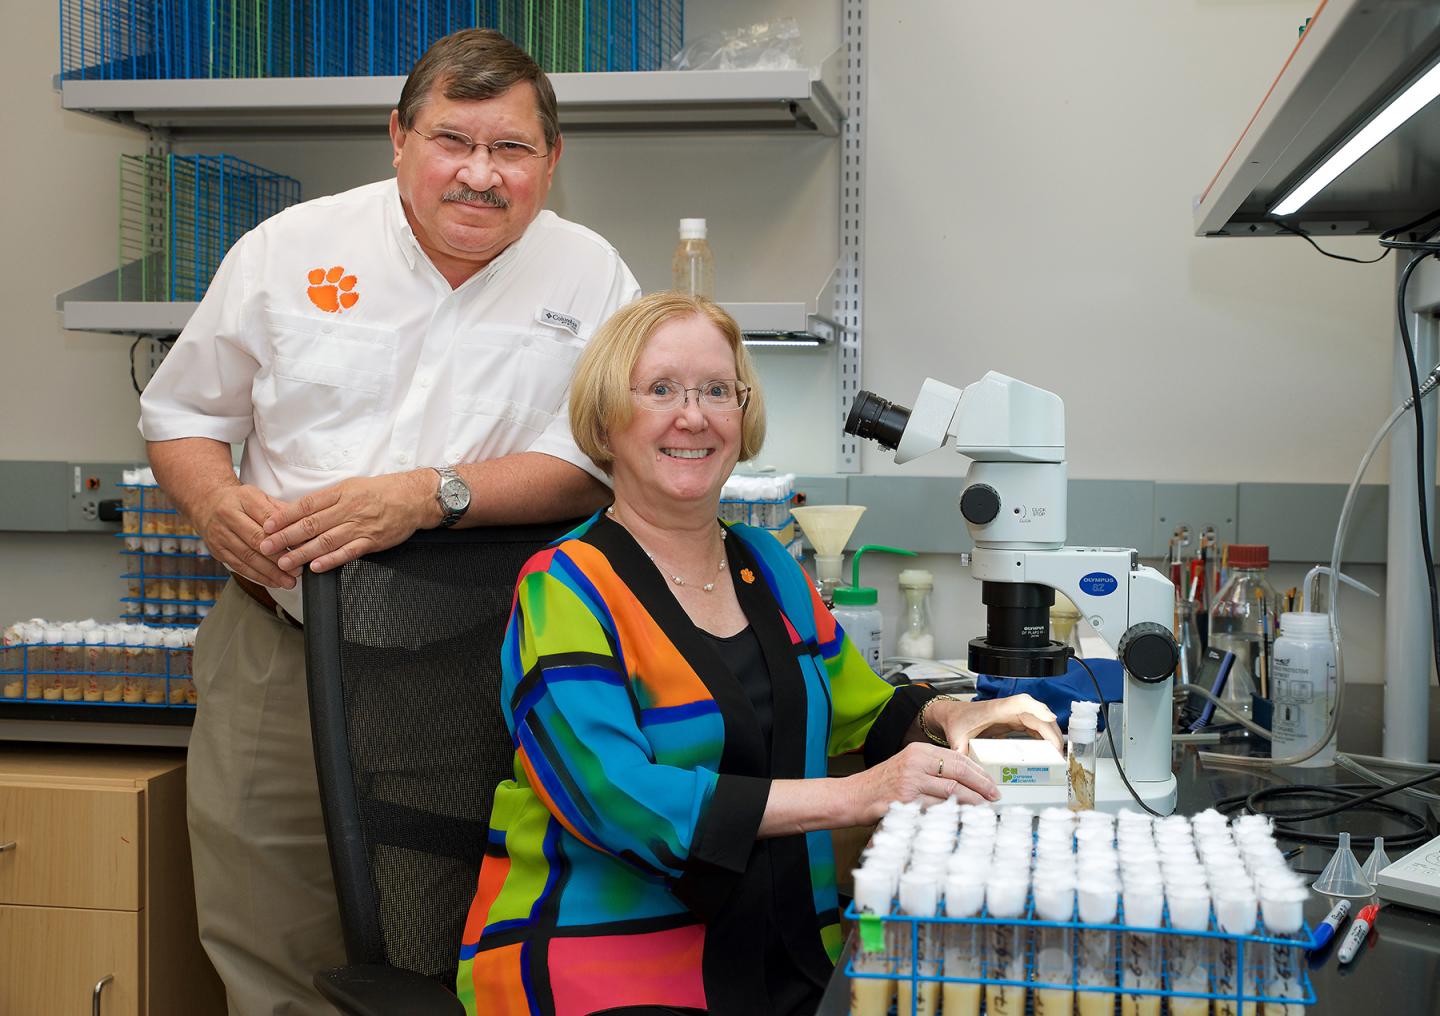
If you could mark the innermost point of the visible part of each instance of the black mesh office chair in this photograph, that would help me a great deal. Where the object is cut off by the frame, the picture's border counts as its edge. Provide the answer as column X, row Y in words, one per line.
column 403, row 656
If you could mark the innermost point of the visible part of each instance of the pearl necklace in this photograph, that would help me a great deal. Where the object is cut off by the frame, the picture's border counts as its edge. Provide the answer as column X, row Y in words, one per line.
column 708, row 587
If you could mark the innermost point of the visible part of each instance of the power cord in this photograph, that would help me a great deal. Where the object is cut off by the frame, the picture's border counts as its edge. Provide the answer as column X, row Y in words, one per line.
column 1421, row 830
column 1110, row 733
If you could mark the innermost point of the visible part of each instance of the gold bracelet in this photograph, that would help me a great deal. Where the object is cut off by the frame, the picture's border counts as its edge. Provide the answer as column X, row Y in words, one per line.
column 925, row 727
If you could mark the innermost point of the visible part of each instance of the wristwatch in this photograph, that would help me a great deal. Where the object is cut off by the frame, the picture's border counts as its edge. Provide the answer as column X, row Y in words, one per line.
column 453, row 495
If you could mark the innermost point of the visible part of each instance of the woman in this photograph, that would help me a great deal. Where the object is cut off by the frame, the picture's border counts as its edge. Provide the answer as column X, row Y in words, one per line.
column 675, row 687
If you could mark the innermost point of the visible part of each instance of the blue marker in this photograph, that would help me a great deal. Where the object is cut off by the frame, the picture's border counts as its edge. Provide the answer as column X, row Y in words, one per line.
column 1328, row 927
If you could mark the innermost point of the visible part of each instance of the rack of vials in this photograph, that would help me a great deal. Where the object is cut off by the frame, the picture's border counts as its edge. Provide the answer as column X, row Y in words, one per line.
column 86, row 662
column 962, row 909
column 763, row 502
column 171, row 577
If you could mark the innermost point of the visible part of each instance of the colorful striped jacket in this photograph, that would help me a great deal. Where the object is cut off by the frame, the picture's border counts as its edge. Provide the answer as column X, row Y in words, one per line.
column 620, row 867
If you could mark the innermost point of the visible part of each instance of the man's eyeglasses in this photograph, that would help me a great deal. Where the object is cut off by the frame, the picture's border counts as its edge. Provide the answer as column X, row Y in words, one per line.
column 722, row 395
column 507, row 153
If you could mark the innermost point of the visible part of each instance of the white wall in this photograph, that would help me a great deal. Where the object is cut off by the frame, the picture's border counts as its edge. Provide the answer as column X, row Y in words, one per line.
column 1030, row 172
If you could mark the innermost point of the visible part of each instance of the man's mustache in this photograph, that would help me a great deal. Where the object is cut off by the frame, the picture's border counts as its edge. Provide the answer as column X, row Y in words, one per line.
column 474, row 197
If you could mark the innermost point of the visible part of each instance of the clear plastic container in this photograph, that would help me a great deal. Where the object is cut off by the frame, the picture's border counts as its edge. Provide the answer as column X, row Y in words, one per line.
column 917, row 639
column 1243, row 622
column 154, row 667
column 858, row 614
column 1304, row 692
column 133, row 689
column 693, row 267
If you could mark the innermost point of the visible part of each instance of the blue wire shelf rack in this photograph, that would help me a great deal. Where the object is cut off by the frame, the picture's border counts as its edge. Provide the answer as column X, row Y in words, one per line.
column 176, row 39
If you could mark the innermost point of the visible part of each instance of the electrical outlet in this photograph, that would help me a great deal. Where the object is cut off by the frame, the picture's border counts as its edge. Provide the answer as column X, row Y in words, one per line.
column 90, row 511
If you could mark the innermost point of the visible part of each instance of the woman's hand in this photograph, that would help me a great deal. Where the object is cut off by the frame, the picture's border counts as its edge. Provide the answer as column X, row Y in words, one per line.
column 921, row 771
column 963, row 720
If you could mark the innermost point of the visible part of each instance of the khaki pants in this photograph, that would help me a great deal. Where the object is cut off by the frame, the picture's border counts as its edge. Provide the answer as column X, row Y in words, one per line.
column 264, row 896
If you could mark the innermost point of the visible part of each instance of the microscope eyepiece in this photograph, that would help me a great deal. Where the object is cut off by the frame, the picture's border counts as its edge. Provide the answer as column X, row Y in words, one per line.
column 877, row 419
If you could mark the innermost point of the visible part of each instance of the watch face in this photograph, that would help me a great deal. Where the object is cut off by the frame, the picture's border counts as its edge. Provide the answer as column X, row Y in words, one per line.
column 454, row 495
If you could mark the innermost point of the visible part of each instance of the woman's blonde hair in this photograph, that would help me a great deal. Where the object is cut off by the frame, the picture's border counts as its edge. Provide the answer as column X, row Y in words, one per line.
column 600, row 399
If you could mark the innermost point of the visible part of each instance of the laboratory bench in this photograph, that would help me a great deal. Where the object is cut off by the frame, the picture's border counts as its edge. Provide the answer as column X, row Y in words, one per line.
column 1398, row 970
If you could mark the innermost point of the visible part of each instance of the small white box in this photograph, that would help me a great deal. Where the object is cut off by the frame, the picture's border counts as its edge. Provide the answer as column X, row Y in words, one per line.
column 1020, row 761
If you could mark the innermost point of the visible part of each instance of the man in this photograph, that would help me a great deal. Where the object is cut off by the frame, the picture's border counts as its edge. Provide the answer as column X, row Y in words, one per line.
column 395, row 357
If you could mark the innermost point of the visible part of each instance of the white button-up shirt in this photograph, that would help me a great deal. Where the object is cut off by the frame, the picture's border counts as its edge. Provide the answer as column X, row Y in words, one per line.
column 331, row 346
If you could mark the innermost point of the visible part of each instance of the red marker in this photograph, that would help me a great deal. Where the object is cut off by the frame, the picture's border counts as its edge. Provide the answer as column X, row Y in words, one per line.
column 1359, row 928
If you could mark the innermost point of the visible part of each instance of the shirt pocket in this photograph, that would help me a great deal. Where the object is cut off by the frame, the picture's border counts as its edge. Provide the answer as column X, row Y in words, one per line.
column 508, row 386
column 325, row 391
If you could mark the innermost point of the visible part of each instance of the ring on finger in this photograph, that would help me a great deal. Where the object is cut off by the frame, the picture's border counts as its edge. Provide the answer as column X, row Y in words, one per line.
column 940, row 770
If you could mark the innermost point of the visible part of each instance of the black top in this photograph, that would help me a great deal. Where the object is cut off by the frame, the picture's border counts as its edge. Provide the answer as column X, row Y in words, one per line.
column 742, row 655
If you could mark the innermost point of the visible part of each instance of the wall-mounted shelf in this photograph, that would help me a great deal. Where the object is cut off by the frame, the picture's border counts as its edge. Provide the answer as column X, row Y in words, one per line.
column 676, row 101
column 765, row 324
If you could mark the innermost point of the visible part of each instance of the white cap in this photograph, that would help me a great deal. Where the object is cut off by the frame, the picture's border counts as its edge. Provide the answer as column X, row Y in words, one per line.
column 53, row 634
column 1055, row 897
column 94, row 636
column 1144, row 904
column 920, row 893
column 917, row 578
column 1189, row 907
column 1235, row 909
column 1005, row 894
column 1084, row 721
column 1284, row 908
column 964, row 894
column 692, row 229
column 1016, row 815
column 1098, row 899
column 872, row 890
column 134, row 635
column 174, row 640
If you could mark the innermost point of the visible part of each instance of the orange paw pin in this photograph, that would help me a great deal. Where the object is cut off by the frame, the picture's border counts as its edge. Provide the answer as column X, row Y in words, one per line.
column 332, row 291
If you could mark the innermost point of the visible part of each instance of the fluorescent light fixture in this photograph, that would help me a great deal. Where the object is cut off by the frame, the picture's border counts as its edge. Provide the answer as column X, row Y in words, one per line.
column 1401, row 108
column 782, row 339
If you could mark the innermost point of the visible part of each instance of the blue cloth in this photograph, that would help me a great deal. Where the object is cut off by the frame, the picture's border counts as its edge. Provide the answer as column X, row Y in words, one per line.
column 1059, row 692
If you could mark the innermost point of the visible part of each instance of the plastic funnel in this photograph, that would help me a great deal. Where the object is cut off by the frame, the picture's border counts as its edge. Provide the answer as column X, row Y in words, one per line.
column 1376, row 862
column 1343, row 875
column 828, row 526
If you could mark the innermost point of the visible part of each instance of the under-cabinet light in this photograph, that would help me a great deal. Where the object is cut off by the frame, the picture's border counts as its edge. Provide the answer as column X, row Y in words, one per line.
column 1401, row 108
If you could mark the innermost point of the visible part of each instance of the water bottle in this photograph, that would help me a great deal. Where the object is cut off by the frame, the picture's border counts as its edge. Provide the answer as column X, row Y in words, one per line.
column 1304, row 692
column 693, row 268
column 1243, row 622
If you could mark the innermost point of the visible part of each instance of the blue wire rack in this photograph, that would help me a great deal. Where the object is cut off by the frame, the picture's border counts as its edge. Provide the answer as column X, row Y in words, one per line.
column 150, row 576
column 180, row 214
column 65, row 673
column 1249, row 973
column 180, row 39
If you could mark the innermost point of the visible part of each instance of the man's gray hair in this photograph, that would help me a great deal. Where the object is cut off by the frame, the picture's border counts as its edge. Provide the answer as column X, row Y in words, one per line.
column 477, row 63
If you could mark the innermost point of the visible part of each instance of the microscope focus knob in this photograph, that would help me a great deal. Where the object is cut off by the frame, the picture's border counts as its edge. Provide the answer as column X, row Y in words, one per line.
column 979, row 503
column 1149, row 652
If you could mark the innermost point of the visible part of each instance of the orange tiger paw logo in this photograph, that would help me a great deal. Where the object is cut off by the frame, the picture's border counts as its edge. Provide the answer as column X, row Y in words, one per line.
column 747, row 575
column 332, row 291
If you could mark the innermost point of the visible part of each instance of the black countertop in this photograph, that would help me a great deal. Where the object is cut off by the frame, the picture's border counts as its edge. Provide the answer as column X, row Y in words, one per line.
column 1397, row 972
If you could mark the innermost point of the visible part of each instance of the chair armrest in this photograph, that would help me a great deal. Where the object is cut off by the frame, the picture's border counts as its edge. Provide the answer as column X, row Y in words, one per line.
column 375, row 990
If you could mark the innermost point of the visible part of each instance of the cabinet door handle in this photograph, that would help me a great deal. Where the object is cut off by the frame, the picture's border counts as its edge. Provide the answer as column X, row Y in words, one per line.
column 7, row 846
column 95, row 996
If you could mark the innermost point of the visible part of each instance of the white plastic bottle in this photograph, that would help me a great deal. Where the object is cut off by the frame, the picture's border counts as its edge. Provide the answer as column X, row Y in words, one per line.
column 858, row 613
column 693, row 268
column 1304, row 691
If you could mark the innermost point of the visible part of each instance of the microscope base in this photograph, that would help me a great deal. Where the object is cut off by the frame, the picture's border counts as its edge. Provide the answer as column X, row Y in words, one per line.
column 1110, row 793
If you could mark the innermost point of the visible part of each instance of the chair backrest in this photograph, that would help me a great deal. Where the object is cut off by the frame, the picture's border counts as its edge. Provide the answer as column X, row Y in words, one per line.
column 403, row 658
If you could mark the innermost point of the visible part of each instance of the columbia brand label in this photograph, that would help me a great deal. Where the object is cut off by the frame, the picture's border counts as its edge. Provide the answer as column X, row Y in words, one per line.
column 557, row 320
column 1098, row 583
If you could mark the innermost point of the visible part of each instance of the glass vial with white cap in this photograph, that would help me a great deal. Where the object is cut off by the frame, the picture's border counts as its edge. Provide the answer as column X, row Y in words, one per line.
column 870, row 996
column 917, row 639
column 693, row 267
column 920, row 897
column 1080, row 765
column 964, row 943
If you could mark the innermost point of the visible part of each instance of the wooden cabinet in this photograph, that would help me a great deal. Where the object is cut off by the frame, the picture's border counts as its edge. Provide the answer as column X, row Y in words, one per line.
column 95, row 882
